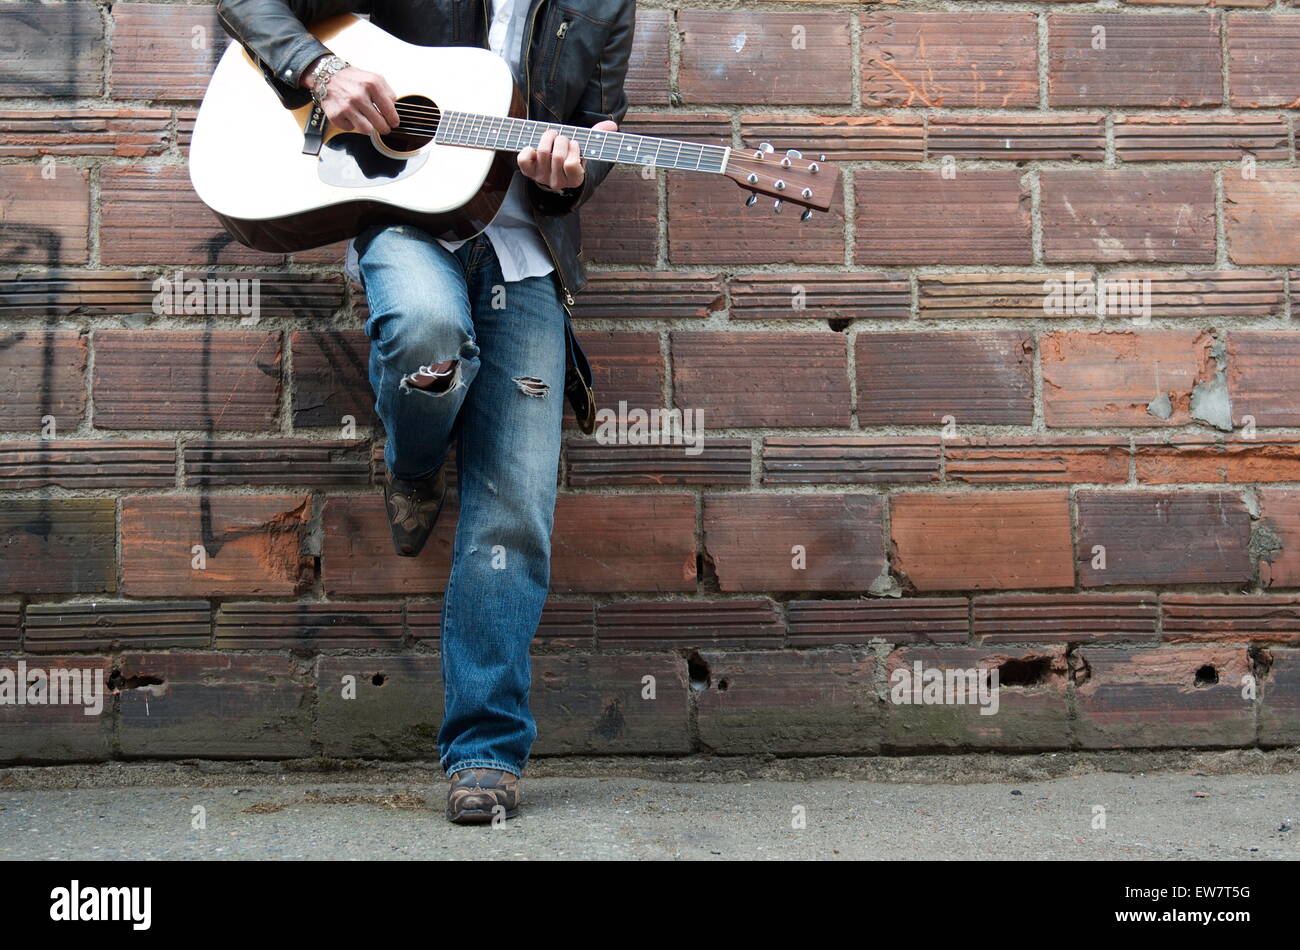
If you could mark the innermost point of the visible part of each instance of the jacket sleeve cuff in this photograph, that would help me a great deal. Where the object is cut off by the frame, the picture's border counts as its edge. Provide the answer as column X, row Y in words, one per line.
column 285, row 81
column 555, row 203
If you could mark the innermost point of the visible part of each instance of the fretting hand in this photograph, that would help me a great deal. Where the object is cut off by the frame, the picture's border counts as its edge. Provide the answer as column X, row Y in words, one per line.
column 557, row 162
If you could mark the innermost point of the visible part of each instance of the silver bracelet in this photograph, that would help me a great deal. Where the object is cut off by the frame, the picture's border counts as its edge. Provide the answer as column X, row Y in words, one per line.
column 327, row 67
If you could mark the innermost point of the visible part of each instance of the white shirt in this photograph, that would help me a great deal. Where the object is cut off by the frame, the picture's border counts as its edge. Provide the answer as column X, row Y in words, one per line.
column 513, row 232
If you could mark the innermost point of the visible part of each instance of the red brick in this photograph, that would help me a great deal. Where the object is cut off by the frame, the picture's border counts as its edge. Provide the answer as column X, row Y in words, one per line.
column 600, row 705
column 309, row 626
column 818, row 295
column 1155, row 60
column 60, row 732
column 357, row 553
column 993, row 296
column 794, row 542
column 626, row 367
column 1206, row 459
column 180, row 379
column 920, row 217
column 709, row 224
column 149, row 214
column 46, row 220
column 43, row 374
column 89, row 463
column 124, row 133
column 1200, row 138
column 850, row 460
column 1215, row 294
column 721, row 462
column 1162, row 537
column 1125, row 215
column 1262, row 67
column 1037, row 458
column 331, row 378
column 277, row 462
column 57, row 546
column 987, row 60
column 1018, row 138
column 708, row 128
column 790, row 702
column 730, row 377
column 1241, row 618
column 102, row 625
column 1262, row 378
column 164, row 50
column 647, row 72
column 841, row 138
column 1030, row 716
column 1112, row 378
column 392, row 707
column 1065, row 618
column 670, row 624
column 590, row 549
column 252, row 545
column 907, row 378
column 620, row 225
column 893, row 620
column 650, row 295
column 1279, row 707
column 981, row 540
column 1279, row 563
column 1163, row 697
column 52, row 49
column 1261, row 216
column 214, row 706
column 752, row 57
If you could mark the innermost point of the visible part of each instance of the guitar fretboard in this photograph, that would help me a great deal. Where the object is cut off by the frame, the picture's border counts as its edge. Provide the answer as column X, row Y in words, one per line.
column 498, row 132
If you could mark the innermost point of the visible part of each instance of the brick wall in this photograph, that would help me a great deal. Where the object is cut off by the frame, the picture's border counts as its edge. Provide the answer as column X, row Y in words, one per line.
column 909, row 457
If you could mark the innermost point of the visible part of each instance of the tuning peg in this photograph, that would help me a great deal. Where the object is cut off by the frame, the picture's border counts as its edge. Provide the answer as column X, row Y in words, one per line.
column 821, row 158
column 806, row 193
column 813, row 168
column 794, row 153
column 766, row 147
column 807, row 214
column 776, row 206
column 753, row 196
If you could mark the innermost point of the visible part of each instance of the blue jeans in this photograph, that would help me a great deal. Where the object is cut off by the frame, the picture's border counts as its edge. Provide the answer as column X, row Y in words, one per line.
column 504, row 408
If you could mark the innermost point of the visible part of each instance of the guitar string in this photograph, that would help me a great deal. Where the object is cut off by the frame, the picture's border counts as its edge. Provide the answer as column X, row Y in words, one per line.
column 482, row 129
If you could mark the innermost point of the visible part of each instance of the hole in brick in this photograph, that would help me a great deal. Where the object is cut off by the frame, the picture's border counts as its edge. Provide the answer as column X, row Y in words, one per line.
column 1028, row 672
column 698, row 671
column 379, row 679
column 722, row 686
column 1207, row 676
column 838, row 324
column 117, row 682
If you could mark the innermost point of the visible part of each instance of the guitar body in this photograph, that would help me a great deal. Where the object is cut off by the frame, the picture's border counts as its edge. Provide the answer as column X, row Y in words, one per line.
column 247, row 162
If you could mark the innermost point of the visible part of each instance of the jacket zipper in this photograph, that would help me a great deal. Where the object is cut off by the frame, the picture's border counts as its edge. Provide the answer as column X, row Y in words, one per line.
column 528, row 105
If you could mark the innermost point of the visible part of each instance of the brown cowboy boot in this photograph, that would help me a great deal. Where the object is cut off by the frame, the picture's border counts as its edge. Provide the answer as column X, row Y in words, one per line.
column 413, row 508
column 476, row 796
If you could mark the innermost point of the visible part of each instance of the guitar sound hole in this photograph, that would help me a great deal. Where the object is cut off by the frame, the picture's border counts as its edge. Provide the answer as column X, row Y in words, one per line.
column 419, row 116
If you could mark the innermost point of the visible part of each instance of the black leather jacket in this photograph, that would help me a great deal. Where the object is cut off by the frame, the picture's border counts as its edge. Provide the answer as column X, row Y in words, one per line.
column 574, row 76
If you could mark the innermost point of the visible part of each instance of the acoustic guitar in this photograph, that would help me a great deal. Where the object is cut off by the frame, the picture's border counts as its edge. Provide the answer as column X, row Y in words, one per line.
column 284, row 180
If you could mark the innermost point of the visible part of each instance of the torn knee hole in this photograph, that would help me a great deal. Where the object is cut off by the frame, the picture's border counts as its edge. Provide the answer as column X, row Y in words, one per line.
column 531, row 386
column 438, row 377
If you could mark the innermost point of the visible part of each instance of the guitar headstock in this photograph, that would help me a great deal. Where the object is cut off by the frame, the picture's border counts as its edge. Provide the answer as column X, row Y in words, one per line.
column 789, row 178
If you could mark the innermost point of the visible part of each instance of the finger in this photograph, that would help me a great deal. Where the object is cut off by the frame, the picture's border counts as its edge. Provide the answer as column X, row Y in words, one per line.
column 376, row 118
column 360, row 123
column 387, row 101
column 573, row 172
column 559, row 154
column 528, row 161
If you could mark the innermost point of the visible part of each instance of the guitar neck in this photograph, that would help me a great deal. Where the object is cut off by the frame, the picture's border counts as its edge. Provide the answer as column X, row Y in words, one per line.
column 498, row 132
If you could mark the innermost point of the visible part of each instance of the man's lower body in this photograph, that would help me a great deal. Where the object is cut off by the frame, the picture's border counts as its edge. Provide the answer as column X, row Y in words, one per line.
column 457, row 353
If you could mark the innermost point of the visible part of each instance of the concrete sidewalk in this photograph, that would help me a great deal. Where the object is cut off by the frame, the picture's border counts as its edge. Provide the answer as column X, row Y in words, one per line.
column 142, row 812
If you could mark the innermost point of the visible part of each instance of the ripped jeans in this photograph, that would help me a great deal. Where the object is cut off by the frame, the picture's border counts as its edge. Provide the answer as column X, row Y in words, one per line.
column 504, row 407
